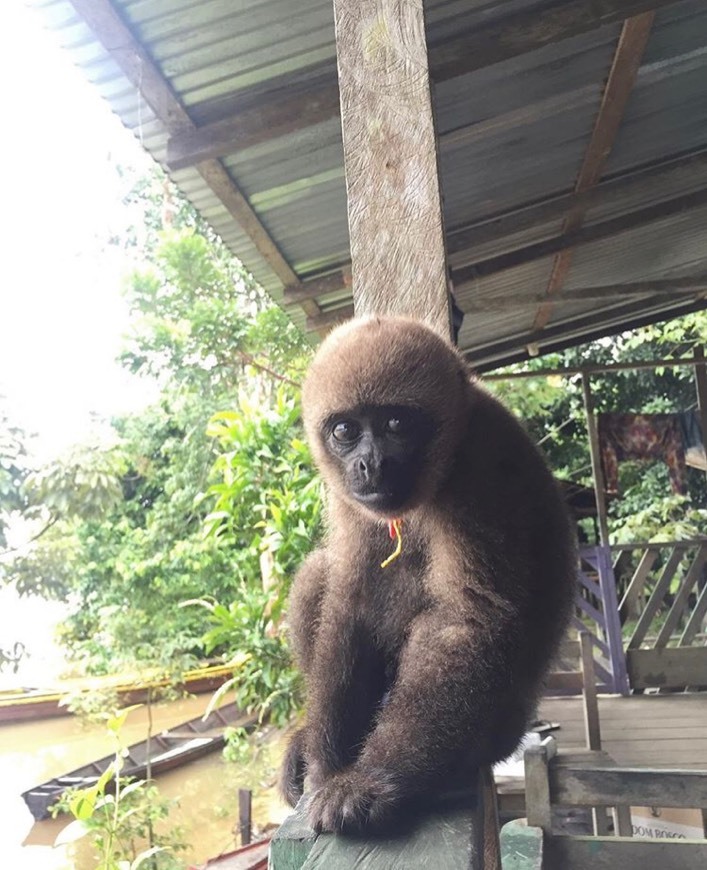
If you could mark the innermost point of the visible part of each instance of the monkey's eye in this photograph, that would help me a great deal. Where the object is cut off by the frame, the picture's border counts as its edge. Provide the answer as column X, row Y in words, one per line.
column 394, row 425
column 346, row 431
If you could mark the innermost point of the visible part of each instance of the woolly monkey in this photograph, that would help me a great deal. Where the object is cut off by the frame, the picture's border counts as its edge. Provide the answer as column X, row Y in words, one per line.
column 424, row 665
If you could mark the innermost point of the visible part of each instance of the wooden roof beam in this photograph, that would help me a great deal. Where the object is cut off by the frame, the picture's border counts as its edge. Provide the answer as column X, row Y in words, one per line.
column 138, row 67
column 471, row 272
column 678, row 171
column 575, row 331
column 583, row 236
column 666, row 290
column 617, row 91
column 282, row 111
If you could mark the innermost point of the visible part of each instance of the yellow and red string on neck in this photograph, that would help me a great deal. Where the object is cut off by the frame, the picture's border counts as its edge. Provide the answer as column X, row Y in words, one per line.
column 395, row 530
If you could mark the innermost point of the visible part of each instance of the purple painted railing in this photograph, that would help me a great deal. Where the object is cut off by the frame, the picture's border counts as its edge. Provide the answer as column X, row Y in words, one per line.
column 597, row 611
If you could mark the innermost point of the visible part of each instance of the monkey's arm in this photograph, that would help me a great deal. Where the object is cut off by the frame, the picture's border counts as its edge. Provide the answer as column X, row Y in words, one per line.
column 303, row 614
column 442, row 705
column 304, row 607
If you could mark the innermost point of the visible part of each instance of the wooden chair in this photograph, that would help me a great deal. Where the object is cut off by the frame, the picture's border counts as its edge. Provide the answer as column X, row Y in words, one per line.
column 555, row 779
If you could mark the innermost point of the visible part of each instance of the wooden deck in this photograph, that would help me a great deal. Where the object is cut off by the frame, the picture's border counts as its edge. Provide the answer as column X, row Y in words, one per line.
column 659, row 731
column 652, row 730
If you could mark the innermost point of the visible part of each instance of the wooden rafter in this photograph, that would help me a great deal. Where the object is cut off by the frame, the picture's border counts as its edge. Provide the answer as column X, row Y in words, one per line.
column 578, row 330
column 662, row 290
column 577, row 238
column 622, row 77
column 279, row 112
column 673, row 173
column 138, row 67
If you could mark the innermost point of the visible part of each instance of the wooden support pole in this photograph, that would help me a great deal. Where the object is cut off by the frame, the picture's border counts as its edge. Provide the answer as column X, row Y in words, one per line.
column 395, row 217
column 245, row 810
column 592, row 727
column 701, row 389
column 597, row 474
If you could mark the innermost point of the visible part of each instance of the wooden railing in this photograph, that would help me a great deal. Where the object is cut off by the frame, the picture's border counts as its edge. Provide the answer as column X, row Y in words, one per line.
column 663, row 608
column 597, row 613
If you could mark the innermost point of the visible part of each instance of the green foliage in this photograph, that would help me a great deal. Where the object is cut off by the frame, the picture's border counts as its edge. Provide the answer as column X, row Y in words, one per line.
column 121, row 817
column 552, row 410
column 266, row 498
column 264, row 681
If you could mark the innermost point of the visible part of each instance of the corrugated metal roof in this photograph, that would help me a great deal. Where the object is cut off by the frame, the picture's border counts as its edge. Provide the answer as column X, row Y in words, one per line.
column 511, row 135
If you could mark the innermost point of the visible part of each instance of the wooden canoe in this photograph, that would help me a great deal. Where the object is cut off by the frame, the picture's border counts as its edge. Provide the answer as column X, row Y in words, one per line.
column 165, row 751
column 19, row 705
column 254, row 856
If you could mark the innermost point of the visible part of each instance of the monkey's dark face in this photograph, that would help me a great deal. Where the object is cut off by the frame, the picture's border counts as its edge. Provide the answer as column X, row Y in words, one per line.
column 379, row 451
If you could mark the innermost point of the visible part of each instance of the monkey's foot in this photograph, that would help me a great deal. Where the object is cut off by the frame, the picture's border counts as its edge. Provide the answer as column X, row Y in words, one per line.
column 351, row 801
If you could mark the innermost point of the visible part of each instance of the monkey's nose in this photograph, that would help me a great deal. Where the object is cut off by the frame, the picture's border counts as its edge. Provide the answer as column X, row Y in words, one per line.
column 363, row 468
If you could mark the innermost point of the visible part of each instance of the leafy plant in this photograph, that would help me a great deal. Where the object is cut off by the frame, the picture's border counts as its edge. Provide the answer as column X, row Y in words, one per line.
column 264, row 680
column 120, row 816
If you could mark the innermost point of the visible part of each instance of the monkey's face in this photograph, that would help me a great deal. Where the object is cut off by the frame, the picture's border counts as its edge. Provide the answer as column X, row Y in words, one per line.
column 378, row 452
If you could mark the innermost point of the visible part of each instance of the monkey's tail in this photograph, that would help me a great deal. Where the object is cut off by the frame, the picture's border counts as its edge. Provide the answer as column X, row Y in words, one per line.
column 294, row 769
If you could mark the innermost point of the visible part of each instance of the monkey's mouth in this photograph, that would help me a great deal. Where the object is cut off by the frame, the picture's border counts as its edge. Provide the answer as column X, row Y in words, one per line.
column 382, row 501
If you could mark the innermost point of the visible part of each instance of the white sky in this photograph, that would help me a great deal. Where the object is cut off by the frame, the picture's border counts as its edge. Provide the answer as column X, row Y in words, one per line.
column 61, row 312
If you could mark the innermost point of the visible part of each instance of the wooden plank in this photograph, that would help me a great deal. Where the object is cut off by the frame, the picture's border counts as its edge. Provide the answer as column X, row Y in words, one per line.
column 537, row 784
column 590, row 707
column 310, row 288
column 395, row 217
column 608, row 853
column 629, row 603
column 444, row 835
column 521, row 846
column 681, row 599
column 578, row 238
column 667, row 667
column 625, row 786
column 293, row 840
column 267, row 117
column 694, row 623
column 655, row 601
column 617, row 90
column 487, row 820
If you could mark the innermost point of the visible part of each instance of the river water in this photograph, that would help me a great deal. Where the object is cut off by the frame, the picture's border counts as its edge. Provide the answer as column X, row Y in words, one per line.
column 207, row 789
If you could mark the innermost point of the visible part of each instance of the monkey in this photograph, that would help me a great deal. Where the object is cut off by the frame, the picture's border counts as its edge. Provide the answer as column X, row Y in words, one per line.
column 419, row 667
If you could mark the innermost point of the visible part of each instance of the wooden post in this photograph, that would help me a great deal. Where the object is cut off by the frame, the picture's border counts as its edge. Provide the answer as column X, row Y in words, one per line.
column 245, row 804
column 592, row 728
column 537, row 784
column 597, row 473
column 701, row 388
column 398, row 257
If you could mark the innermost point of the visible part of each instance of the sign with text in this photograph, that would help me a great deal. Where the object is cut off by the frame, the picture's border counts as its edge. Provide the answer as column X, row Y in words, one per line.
column 671, row 823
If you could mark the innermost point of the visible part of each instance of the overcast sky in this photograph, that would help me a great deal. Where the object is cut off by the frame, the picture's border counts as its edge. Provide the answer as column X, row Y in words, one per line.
column 61, row 312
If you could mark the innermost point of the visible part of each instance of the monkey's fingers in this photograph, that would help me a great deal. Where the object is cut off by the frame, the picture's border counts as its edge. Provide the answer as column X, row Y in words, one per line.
column 350, row 802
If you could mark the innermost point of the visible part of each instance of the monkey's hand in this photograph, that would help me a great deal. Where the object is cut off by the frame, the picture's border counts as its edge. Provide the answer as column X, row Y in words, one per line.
column 352, row 800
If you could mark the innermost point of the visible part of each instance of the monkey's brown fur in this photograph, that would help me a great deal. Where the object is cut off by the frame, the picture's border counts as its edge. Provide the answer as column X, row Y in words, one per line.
column 433, row 664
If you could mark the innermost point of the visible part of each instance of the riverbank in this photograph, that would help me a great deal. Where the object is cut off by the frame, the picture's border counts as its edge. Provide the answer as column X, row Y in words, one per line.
column 207, row 789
